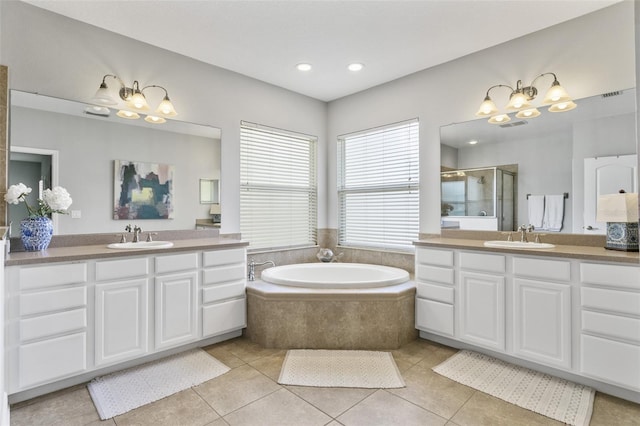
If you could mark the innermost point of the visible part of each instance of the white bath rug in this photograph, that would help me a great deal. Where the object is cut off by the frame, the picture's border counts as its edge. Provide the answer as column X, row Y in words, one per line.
column 125, row 390
column 550, row 396
column 340, row 369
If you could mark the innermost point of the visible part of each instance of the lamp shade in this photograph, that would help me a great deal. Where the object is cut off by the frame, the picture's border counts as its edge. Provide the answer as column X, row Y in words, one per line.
column 621, row 207
column 562, row 106
column 528, row 113
column 487, row 108
column 555, row 94
column 518, row 100
column 103, row 97
column 499, row 119
column 214, row 209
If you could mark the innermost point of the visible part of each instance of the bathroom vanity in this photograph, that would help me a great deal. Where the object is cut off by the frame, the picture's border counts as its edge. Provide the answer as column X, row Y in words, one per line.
column 74, row 313
column 570, row 311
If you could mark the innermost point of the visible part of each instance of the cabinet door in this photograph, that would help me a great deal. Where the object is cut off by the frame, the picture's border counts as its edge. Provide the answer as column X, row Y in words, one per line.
column 175, row 313
column 542, row 316
column 481, row 309
column 121, row 320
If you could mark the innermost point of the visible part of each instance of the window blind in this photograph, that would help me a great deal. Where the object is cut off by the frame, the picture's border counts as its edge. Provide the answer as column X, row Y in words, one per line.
column 378, row 182
column 278, row 191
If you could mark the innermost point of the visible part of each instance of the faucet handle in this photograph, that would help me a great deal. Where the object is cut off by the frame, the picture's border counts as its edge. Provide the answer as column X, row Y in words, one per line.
column 538, row 235
column 509, row 235
column 149, row 239
column 123, row 238
column 128, row 228
column 136, row 228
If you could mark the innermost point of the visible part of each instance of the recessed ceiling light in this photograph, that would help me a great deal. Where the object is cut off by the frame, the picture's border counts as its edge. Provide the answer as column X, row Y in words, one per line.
column 355, row 67
column 473, row 142
column 304, row 67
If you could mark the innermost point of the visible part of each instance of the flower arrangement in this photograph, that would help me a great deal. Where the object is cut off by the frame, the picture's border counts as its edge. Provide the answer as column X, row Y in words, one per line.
column 56, row 200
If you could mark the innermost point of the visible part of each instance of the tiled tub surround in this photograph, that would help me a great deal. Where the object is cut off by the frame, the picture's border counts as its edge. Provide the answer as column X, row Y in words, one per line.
column 293, row 317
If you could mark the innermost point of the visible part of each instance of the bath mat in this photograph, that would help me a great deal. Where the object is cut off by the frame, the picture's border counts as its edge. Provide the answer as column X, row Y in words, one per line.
column 550, row 396
column 125, row 390
column 340, row 369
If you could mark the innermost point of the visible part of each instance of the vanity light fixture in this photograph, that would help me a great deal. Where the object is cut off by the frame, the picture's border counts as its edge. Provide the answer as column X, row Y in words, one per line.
column 135, row 99
column 520, row 100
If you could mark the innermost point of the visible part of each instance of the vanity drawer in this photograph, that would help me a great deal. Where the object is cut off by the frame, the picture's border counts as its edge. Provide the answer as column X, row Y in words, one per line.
column 434, row 256
column 49, row 325
column 121, row 268
column 223, row 274
column 611, row 325
column 610, row 275
column 53, row 300
column 483, row 262
column 624, row 302
column 611, row 361
column 223, row 257
column 434, row 292
column 435, row 317
column 224, row 291
column 434, row 273
column 553, row 270
column 176, row 262
column 224, row 317
column 52, row 275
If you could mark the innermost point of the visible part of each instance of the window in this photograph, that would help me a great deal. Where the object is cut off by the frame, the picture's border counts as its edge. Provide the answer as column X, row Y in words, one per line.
column 278, row 194
column 378, row 186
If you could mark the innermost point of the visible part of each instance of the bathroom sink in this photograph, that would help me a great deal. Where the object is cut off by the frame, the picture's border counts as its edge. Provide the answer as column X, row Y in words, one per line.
column 518, row 245
column 141, row 245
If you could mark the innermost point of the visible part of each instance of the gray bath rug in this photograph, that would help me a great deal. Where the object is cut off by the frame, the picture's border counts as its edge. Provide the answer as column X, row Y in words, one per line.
column 125, row 390
column 340, row 369
column 550, row 396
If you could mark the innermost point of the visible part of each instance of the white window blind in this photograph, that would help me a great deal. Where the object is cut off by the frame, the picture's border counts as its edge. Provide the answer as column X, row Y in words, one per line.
column 378, row 184
column 278, row 193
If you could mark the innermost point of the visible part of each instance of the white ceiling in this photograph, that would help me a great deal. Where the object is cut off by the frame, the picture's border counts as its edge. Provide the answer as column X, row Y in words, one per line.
column 266, row 39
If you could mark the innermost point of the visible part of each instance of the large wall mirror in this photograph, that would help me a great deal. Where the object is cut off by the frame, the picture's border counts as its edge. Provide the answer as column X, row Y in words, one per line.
column 64, row 145
column 555, row 154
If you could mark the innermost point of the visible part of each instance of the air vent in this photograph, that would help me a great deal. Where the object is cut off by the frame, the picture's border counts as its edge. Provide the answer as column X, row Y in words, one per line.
column 514, row 124
column 610, row 94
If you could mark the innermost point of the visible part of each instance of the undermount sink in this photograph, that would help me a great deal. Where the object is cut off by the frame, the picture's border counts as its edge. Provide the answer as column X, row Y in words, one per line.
column 141, row 245
column 518, row 245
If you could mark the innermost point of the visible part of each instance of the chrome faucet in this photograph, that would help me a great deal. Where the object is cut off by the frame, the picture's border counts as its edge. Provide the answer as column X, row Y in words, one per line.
column 523, row 229
column 252, row 268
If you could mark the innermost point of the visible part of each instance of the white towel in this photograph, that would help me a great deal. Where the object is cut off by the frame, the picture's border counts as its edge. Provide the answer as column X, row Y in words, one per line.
column 553, row 212
column 536, row 210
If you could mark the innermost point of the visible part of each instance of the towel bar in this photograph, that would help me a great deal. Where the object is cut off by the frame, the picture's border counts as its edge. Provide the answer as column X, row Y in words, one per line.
column 566, row 195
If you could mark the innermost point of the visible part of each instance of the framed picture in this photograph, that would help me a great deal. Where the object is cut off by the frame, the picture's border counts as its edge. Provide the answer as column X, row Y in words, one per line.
column 142, row 190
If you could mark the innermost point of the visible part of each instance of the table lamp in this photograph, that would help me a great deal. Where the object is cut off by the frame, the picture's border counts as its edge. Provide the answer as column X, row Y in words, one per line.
column 214, row 211
column 620, row 211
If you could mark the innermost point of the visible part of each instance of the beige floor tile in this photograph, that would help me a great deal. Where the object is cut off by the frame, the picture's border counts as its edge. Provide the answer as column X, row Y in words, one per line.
column 218, row 422
column 432, row 391
column 280, row 408
column 186, row 408
column 70, row 407
column 236, row 389
column 333, row 401
column 483, row 409
column 248, row 351
column 270, row 366
column 609, row 410
column 222, row 352
column 383, row 408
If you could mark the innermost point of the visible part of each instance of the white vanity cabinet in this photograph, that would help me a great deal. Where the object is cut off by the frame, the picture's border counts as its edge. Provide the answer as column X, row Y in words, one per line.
column 223, row 291
column 435, row 292
column 542, row 310
column 481, row 307
column 46, row 323
column 610, row 329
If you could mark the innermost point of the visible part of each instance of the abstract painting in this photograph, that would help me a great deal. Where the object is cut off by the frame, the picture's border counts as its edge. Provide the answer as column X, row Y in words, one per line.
column 142, row 190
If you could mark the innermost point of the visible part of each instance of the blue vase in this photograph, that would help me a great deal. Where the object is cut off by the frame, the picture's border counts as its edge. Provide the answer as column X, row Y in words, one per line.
column 36, row 233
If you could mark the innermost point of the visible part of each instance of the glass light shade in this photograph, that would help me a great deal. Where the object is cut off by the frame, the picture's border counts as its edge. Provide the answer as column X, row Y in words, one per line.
column 562, row 106
column 555, row 94
column 97, row 110
column 154, row 120
column 103, row 97
column 166, row 108
column 518, row 100
column 618, row 207
column 487, row 108
column 138, row 101
column 499, row 119
column 528, row 113
column 130, row 115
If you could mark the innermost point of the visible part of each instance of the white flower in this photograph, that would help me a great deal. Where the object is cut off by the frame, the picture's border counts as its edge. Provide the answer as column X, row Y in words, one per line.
column 57, row 199
column 15, row 193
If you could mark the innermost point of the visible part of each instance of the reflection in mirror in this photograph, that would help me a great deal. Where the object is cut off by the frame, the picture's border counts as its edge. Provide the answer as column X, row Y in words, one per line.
column 85, row 147
column 209, row 192
column 551, row 153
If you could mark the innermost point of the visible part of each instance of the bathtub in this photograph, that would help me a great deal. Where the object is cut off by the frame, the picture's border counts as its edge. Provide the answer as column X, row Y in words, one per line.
column 331, row 306
column 335, row 275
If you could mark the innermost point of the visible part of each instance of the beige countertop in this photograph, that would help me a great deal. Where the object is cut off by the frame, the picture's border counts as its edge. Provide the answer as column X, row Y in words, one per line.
column 100, row 251
column 560, row 250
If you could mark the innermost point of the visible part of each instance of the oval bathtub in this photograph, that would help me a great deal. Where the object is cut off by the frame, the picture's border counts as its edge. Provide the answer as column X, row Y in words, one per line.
column 335, row 275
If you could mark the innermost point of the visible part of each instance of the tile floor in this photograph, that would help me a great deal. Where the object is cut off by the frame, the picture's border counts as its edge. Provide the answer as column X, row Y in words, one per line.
column 250, row 395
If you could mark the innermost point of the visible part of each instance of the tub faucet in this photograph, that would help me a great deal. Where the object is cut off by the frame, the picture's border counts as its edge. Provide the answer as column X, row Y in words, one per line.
column 523, row 229
column 252, row 268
